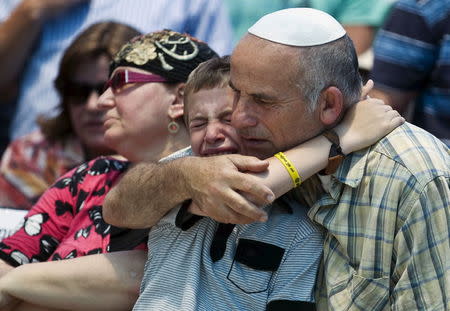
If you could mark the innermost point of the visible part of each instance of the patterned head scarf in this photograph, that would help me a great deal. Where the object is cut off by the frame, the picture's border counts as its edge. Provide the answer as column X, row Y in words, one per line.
column 167, row 53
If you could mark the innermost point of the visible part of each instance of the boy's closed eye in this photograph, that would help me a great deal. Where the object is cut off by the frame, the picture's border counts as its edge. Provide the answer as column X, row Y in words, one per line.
column 198, row 123
column 227, row 118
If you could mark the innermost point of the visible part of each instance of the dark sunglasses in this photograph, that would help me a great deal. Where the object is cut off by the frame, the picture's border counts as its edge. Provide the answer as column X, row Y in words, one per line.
column 120, row 78
column 79, row 92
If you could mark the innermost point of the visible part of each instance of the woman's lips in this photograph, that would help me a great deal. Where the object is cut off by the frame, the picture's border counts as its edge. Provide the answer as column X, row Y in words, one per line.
column 93, row 124
column 107, row 123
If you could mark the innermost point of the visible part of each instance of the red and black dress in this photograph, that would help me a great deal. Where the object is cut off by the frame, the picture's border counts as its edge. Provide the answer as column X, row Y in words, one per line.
column 67, row 220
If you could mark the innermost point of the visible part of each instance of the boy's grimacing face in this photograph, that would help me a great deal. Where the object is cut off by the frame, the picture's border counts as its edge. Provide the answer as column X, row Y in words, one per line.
column 209, row 122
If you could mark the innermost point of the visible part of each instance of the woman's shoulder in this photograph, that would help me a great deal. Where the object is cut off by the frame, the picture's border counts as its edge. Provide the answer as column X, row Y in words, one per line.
column 97, row 173
column 107, row 164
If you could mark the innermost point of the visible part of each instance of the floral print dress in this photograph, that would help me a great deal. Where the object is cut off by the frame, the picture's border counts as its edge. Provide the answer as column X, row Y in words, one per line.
column 67, row 220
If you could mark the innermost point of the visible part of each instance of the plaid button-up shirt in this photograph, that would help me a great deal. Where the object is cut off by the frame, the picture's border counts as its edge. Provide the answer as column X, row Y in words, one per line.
column 387, row 213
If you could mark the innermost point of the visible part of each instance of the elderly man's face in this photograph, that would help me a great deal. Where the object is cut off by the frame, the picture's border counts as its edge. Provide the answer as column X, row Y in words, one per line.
column 268, row 111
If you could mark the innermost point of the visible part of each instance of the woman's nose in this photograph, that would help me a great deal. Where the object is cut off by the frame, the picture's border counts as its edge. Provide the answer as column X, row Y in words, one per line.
column 105, row 100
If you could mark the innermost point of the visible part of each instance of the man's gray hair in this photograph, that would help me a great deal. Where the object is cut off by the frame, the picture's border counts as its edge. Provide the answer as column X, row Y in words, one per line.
column 331, row 64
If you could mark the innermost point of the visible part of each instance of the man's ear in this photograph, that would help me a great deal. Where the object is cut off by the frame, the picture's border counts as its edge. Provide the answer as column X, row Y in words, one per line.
column 176, row 108
column 331, row 106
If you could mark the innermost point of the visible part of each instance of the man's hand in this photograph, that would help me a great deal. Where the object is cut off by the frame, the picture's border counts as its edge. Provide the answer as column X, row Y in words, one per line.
column 366, row 122
column 217, row 186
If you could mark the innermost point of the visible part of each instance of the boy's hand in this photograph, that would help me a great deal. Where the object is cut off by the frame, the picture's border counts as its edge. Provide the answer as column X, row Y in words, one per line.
column 367, row 122
column 366, row 90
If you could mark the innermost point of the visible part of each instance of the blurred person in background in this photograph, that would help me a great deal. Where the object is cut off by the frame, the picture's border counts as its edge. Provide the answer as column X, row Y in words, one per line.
column 360, row 18
column 411, row 69
column 33, row 162
column 46, row 28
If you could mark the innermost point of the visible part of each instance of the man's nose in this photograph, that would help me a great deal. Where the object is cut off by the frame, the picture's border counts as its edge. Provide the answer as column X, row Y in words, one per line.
column 243, row 115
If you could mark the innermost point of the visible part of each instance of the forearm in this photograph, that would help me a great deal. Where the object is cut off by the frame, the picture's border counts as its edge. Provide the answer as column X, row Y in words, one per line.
column 355, row 132
column 30, row 307
column 145, row 194
column 308, row 158
column 24, row 23
column 97, row 282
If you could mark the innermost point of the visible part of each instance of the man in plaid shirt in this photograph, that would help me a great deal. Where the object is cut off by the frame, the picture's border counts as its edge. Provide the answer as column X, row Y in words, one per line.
column 386, row 208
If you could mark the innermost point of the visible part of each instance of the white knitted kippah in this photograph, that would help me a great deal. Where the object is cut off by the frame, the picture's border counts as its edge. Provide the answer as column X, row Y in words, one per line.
column 298, row 27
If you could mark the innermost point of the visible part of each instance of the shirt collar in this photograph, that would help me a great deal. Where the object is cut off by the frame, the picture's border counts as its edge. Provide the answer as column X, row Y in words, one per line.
column 326, row 190
column 351, row 170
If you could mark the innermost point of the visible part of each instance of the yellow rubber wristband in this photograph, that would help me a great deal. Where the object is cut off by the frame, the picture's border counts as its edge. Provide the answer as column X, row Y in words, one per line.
column 296, row 179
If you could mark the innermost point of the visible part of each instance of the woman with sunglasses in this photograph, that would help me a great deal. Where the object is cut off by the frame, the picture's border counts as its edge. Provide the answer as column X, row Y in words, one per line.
column 143, row 104
column 75, row 135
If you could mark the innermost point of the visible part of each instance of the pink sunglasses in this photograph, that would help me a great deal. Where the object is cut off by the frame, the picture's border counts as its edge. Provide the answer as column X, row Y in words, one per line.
column 120, row 78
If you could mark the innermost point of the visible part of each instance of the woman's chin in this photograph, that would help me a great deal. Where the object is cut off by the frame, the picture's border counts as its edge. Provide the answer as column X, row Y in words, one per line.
column 98, row 148
column 112, row 141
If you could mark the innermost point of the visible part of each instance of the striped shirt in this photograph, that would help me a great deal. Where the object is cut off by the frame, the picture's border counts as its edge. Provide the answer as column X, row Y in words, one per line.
column 387, row 213
column 262, row 263
column 204, row 19
column 412, row 54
